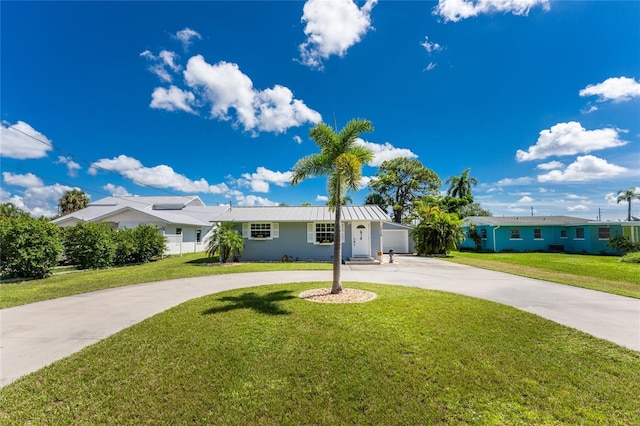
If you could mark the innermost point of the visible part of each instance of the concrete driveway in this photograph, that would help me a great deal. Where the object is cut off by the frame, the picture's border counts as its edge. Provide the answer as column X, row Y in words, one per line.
column 35, row 335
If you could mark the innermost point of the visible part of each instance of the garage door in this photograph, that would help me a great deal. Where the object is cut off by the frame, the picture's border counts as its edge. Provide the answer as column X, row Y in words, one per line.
column 396, row 239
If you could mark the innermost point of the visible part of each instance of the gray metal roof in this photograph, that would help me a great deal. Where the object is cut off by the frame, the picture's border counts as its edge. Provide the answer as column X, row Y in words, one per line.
column 526, row 220
column 302, row 214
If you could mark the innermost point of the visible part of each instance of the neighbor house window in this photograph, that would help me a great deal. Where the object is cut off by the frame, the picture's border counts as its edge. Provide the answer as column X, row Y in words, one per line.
column 604, row 233
column 580, row 233
column 260, row 230
column 199, row 235
column 484, row 234
column 324, row 233
column 178, row 231
column 537, row 233
column 563, row 233
column 514, row 234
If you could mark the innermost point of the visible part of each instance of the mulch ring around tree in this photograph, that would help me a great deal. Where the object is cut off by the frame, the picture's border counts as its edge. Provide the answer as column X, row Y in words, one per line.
column 348, row 295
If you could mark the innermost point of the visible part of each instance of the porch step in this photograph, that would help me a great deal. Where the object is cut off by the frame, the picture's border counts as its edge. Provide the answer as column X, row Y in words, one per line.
column 362, row 261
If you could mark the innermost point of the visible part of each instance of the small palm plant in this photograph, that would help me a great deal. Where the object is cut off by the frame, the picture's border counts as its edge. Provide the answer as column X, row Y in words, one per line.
column 225, row 241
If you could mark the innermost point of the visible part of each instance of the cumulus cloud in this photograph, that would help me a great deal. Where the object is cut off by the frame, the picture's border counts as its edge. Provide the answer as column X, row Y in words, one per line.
column 161, row 176
column 38, row 200
column 385, row 151
column 162, row 64
column 456, row 10
column 322, row 198
column 72, row 166
column 430, row 46
column 186, row 37
column 515, row 181
column 570, row 139
column 525, row 199
column 578, row 208
column 21, row 141
column 364, row 181
column 172, row 99
column 260, row 180
column 332, row 27
column 116, row 191
column 253, row 200
column 585, row 169
column 550, row 165
column 225, row 87
column 617, row 89
column 26, row 181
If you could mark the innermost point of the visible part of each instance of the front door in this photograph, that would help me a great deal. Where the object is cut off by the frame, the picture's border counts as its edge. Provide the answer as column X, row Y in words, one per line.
column 360, row 234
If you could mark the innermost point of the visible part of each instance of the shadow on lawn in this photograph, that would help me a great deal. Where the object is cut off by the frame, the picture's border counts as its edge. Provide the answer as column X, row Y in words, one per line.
column 266, row 304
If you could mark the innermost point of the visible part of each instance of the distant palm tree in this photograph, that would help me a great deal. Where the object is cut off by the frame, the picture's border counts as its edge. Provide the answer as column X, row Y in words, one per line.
column 341, row 160
column 460, row 186
column 628, row 195
column 72, row 201
column 225, row 241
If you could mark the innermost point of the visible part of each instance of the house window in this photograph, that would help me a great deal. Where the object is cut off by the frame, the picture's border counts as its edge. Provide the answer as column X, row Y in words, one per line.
column 260, row 230
column 324, row 233
column 199, row 235
column 514, row 234
column 178, row 231
column 537, row 233
column 563, row 233
column 483, row 234
column 579, row 233
column 604, row 233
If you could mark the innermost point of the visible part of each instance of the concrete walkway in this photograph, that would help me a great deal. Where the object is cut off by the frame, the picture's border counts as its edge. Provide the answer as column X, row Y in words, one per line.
column 35, row 335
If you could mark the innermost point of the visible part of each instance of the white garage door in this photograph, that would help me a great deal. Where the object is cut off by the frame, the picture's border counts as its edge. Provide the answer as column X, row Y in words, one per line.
column 396, row 239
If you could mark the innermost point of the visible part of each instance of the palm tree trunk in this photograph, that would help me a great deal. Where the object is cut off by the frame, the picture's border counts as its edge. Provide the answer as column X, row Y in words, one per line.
column 337, row 250
column 629, row 211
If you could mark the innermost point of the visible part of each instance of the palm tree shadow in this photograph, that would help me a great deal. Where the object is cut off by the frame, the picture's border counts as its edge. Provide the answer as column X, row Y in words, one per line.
column 265, row 304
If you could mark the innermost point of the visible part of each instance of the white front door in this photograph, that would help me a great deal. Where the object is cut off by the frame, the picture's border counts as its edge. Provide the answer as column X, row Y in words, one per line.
column 360, row 236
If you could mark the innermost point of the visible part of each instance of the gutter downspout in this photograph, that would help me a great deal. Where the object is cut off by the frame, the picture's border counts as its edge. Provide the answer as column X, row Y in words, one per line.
column 495, row 249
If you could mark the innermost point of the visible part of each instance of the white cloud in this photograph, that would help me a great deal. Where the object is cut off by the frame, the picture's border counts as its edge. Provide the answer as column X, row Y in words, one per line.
column 364, row 181
column 161, row 176
column 162, row 64
column 116, row 191
column 72, row 166
column 385, row 151
column 514, row 181
column 297, row 139
column 584, row 169
column 40, row 200
column 26, row 181
column 253, row 200
column 224, row 86
column 574, row 197
column 172, row 99
column 322, row 198
column 550, row 165
column 456, row 10
column 430, row 46
column 332, row 27
column 570, row 139
column 259, row 181
column 578, row 208
column 617, row 89
column 589, row 110
column 19, row 141
column 431, row 66
column 525, row 199
column 186, row 37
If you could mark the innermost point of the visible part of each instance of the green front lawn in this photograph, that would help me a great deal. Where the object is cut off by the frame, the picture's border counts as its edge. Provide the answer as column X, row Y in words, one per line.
column 264, row 356
column 76, row 282
column 602, row 273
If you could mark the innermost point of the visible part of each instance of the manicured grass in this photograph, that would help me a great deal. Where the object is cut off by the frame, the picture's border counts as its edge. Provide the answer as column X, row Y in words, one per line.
column 191, row 265
column 602, row 273
column 264, row 356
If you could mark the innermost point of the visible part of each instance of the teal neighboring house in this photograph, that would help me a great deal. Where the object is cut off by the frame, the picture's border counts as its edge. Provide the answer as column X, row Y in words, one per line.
column 547, row 233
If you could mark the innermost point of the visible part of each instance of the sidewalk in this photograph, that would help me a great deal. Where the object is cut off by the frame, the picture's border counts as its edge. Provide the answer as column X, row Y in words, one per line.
column 33, row 336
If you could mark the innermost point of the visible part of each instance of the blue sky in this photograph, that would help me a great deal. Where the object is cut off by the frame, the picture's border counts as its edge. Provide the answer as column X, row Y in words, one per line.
column 540, row 99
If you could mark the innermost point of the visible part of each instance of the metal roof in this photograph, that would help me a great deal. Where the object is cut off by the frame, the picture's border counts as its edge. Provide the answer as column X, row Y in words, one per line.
column 526, row 220
column 302, row 214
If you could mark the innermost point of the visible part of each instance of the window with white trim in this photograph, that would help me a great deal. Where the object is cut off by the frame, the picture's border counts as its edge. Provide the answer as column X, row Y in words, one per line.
column 260, row 230
column 322, row 232
column 604, row 233
column 537, row 233
column 514, row 234
column 579, row 234
column 483, row 233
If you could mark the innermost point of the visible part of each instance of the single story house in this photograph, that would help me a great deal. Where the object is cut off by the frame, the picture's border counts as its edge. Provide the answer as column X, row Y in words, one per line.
column 547, row 233
column 307, row 232
column 184, row 221
column 397, row 237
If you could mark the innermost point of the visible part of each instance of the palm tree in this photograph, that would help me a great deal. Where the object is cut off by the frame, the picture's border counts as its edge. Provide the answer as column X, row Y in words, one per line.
column 225, row 241
column 460, row 186
column 628, row 195
column 341, row 160
column 72, row 201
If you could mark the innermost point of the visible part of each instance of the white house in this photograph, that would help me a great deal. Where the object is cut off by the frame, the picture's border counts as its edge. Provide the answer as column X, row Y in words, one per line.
column 184, row 220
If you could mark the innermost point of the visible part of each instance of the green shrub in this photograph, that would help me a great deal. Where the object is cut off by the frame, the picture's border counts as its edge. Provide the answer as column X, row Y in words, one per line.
column 29, row 248
column 623, row 245
column 633, row 257
column 149, row 244
column 125, row 247
column 90, row 245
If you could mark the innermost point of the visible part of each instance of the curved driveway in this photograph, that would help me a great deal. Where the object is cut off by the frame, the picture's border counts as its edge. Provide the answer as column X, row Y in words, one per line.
column 35, row 335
